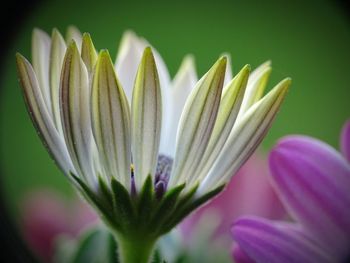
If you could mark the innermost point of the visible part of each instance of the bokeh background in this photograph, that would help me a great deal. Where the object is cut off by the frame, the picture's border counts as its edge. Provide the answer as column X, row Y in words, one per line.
column 306, row 40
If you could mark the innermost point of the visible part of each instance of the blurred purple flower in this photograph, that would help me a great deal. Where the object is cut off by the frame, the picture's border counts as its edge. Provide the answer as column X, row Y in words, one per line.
column 248, row 193
column 313, row 181
column 46, row 215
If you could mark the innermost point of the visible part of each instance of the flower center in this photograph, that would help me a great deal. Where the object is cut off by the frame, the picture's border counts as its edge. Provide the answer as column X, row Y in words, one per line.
column 163, row 170
column 161, row 177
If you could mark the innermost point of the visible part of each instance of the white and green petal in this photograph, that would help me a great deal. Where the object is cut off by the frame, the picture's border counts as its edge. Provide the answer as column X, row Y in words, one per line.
column 73, row 34
column 75, row 112
column 58, row 50
column 40, row 115
column 128, row 58
column 182, row 85
column 228, row 72
column 127, row 62
column 197, row 122
column 256, row 86
column 229, row 108
column 146, row 118
column 41, row 46
column 245, row 137
column 111, row 120
column 88, row 53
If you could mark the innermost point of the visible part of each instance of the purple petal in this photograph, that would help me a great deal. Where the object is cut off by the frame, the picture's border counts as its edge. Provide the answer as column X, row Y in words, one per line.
column 239, row 256
column 45, row 215
column 345, row 140
column 314, row 181
column 236, row 200
column 267, row 242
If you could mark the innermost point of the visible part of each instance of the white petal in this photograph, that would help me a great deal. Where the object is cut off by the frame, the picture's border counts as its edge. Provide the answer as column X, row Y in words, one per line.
column 146, row 115
column 88, row 53
column 111, row 120
column 41, row 117
column 41, row 44
column 256, row 86
column 75, row 112
column 245, row 137
column 73, row 34
column 128, row 59
column 228, row 73
column 197, row 122
column 183, row 84
column 58, row 50
column 228, row 111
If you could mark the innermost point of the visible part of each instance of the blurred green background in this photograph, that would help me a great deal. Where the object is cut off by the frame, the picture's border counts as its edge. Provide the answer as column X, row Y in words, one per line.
column 306, row 40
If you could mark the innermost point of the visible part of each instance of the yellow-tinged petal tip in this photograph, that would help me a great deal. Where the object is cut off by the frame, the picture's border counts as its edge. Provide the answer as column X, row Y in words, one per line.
column 55, row 31
column 86, row 35
column 147, row 53
column 19, row 56
column 223, row 60
column 104, row 53
column 246, row 68
column 220, row 66
column 72, row 46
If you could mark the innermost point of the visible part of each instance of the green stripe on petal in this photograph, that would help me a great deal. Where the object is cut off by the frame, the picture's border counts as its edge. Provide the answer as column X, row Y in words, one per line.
column 228, row 111
column 256, row 86
column 58, row 50
column 40, row 116
column 41, row 44
column 245, row 137
column 111, row 120
column 197, row 122
column 146, row 116
column 88, row 53
column 75, row 112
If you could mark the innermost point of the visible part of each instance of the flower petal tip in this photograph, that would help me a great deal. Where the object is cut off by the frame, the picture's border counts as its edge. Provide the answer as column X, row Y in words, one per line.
column 246, row 69
column 104, row 53
column 223, row 61
column 19, row 57
column 86, row 36
column 148, row 51
column 219, row 67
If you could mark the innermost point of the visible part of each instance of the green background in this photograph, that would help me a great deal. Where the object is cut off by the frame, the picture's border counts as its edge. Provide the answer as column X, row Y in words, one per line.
column 306, row 40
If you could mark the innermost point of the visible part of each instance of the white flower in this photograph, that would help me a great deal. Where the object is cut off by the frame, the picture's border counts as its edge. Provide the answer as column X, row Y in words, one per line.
column 143, row 149
column 98, row 120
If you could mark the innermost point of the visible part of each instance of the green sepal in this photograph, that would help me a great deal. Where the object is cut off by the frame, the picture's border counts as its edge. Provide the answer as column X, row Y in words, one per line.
column 166, row 206
column 188, row 195
column 105, row 192
column 157, row 258
column 124, row 209
column 145, row 202
column 94, row 199
column 185, row 210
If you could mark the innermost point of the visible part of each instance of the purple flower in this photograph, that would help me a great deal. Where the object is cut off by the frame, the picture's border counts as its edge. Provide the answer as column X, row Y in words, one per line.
column 46, row 215
column 313, row 182
column 237, row 200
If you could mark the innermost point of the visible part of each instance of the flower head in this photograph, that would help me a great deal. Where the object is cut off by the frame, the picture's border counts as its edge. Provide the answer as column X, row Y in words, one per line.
column 111, row 128
column 313, row 181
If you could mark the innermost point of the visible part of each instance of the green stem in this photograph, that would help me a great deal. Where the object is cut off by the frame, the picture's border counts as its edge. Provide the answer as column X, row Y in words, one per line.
column 135, row 249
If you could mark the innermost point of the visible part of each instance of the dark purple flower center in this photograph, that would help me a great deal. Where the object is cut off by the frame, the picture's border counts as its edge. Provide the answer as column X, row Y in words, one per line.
column 161, row 177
